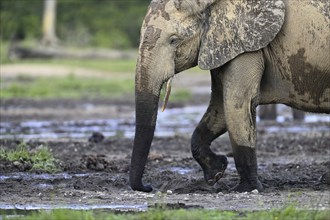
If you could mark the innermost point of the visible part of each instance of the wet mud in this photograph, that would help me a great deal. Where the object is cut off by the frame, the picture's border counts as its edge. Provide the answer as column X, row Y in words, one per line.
column 292, row 158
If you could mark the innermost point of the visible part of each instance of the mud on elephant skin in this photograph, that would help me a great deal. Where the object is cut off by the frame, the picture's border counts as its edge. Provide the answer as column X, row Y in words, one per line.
column 258, row 52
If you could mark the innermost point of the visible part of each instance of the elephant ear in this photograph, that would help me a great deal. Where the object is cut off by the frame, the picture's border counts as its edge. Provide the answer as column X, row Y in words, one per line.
column 238, row 26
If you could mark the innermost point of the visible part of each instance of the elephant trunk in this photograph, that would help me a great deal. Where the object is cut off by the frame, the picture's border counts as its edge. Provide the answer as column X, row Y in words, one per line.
column 147, row 92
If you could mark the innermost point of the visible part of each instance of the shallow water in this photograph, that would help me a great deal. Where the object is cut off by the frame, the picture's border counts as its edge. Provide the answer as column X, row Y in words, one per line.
column 43, row 183
column 45, row 176
column 181, row 170
column 17, row 210
column 141, row 207
column 172, row 122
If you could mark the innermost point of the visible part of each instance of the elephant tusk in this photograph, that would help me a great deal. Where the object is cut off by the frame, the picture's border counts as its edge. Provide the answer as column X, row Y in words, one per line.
column 167, row 94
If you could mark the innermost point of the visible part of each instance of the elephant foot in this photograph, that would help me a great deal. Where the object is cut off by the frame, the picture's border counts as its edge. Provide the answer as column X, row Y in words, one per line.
column 142, row 188
column 325, row 178
column 245, row 186
column 214, row 168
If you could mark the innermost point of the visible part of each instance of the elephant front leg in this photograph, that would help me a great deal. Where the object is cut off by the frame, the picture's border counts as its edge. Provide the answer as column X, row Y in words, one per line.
column 242, row 133
column 246, row 166
column 241, row 92
column 211, row 126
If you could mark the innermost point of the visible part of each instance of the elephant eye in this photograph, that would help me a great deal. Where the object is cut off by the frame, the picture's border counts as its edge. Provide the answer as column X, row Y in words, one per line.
column 174, row 40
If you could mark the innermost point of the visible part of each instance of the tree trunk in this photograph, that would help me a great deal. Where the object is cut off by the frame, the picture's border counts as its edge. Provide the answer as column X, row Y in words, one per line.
column 48, row 23
column 267, row 112
column 298, row 115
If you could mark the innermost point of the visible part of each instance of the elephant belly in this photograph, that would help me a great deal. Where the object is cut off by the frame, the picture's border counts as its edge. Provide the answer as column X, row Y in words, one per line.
column 307, row 75
column 297, row 61
column 299, row 84
column 310, row 90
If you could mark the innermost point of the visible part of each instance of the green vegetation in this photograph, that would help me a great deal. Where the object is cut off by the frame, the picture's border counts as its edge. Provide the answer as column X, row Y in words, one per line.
column 181, row 95
column 111, row 66
column 66, row 87
column 3, row 52
column 40, row 159
column 116, row 82
column 289, row 213
column 93, row 23
column 71, row 86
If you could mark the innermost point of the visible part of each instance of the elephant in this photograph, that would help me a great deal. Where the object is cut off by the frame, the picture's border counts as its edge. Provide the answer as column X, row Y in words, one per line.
column 257, row 51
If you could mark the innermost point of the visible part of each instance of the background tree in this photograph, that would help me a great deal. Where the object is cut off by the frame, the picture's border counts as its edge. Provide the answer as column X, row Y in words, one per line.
column 48, row 22
column 79, row 23
column 269, row 112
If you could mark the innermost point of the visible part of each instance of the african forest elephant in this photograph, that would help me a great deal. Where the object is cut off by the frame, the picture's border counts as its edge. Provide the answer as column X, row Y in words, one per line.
column 258, row 52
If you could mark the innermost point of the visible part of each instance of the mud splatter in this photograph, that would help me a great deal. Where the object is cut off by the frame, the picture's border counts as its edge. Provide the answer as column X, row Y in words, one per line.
column 156, row 9
column 150, row 38
column 305, row 77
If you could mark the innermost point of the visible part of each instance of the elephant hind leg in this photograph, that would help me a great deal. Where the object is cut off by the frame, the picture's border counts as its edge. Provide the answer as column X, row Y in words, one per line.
column 211, row 126
column 242, row 78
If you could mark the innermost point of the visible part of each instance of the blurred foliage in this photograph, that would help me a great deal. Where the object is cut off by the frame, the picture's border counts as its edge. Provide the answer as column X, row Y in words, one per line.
column 90, row 23
column 66, row 87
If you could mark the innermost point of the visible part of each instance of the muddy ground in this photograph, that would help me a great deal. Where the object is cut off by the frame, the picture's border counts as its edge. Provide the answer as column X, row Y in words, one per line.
column 94, row 172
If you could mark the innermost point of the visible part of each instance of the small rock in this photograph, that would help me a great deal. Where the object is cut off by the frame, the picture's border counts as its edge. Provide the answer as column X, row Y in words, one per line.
column 17, row 163
column 99, row 166
column 255, row 191
column 96, row 137
column 155, row 156
column 169, row 192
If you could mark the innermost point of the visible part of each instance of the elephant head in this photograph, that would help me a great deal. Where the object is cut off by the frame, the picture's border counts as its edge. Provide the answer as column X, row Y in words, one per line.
column 180, row 34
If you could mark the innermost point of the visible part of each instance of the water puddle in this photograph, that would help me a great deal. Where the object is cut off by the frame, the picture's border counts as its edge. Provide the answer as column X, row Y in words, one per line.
column 32, row 176
column 295, row 129
column 172, row 122
column 17, row 210
column 181, row 170
column 31, row 207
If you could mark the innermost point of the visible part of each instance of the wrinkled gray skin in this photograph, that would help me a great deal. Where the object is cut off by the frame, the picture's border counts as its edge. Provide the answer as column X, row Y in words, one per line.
column 258, row 52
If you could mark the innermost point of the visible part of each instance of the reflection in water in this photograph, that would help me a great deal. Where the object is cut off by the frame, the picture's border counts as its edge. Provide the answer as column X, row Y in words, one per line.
column 181, row 170
column 172, row 122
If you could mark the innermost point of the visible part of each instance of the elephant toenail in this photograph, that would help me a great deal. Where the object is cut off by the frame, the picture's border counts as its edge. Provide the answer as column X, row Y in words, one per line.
column 218, row 176
column 211, row 182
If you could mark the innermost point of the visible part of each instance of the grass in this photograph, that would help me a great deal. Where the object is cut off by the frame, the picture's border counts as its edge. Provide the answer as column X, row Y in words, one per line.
column 3, row 51
column 111, row 66
column 40, row 159
column 71, row 86
column 117, row 66
column 289, row 213
column 117, row 82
